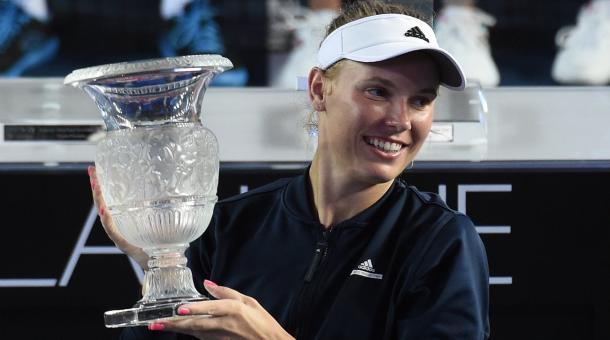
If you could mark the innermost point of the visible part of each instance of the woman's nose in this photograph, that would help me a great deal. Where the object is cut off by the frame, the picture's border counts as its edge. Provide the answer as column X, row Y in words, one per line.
column 401, row 117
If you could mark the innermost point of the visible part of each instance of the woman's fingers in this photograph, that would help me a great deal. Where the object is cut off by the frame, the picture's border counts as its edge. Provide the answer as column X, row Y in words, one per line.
column 93, row 182
column 213, row 308
column 234, row 315
column 102, row 211
column 111, row 230
column 193, row 326
column 96, row 192
column 205, row 316
column 230, row 302
column 221, row 292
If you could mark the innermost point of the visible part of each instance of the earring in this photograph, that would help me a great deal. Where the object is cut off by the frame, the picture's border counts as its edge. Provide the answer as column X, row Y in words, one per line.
column 410, row 166
column 312, row 124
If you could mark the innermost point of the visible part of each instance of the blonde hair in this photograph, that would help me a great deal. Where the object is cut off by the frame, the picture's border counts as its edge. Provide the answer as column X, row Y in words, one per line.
column 362, row 9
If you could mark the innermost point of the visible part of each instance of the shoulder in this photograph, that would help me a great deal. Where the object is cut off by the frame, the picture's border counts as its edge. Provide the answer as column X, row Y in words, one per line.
column 443, row 239
column 256, row 200
column 246, row 210
column 423, row 198
column 428, row 207
column 265, row 192
column 429, row 211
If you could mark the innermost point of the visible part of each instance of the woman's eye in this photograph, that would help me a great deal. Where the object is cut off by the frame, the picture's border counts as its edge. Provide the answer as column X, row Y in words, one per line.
column 377, row 92
column 421, row 102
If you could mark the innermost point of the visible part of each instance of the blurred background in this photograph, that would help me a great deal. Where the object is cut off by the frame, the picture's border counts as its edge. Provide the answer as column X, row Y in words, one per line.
column 513, row 43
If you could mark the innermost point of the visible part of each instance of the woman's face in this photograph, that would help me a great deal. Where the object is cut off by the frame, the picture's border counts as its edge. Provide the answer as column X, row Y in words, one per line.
column 377, row 115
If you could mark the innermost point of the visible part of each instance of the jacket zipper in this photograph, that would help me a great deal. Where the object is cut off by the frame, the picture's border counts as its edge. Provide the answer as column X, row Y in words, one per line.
column 318, row 259
column 320, row 254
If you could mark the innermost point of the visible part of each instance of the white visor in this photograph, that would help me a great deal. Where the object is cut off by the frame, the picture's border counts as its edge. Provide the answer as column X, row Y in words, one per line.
column 385, row 36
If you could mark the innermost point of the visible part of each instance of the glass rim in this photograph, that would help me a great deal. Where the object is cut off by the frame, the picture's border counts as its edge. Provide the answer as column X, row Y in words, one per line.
column 213, row 62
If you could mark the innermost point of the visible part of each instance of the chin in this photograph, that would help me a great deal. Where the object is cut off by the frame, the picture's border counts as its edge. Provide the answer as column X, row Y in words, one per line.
column 383, row 173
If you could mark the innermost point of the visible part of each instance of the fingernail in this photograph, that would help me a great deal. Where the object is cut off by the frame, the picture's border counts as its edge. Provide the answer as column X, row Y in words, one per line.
column 209, row 283
column 93, row 185
column 102, row 211
column 156, row 326
column 183, row 311
column 90, row 170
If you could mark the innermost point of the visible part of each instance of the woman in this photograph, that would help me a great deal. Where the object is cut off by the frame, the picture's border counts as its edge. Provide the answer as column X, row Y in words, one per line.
column 346, row 250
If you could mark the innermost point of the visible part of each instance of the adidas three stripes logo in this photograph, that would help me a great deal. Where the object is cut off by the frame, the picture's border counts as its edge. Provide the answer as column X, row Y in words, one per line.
column 416, row 32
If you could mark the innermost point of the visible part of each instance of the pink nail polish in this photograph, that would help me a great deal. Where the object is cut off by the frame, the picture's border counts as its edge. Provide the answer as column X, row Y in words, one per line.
column 102, row 211
column 209, row 283
column 183, row 311
column 156, row 326
column 90, row 170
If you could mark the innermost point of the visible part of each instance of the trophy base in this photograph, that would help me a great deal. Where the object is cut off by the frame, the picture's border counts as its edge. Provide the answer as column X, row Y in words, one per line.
column 146, row 313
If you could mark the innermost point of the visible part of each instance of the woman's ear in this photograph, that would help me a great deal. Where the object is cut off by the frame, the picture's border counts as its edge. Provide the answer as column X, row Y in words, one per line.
column 316, row 89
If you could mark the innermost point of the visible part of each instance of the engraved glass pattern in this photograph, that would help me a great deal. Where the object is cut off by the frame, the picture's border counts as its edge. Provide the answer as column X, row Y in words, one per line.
column 148, row 170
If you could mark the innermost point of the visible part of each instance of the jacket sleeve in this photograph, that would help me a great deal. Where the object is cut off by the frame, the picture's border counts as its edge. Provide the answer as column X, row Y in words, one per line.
column 449, row 296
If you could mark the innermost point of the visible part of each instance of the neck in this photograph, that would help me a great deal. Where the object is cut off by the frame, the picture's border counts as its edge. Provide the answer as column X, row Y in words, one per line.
column 337, row 196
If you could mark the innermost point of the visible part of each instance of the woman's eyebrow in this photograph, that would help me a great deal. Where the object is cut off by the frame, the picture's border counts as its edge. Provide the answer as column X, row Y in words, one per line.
column 388, row 83
column 383, row 81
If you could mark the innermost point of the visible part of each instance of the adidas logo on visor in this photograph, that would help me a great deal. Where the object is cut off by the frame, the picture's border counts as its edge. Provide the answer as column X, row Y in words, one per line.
column 416, row 32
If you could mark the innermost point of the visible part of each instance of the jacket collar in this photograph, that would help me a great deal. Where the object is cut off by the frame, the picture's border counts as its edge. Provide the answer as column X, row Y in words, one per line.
column 298, row 201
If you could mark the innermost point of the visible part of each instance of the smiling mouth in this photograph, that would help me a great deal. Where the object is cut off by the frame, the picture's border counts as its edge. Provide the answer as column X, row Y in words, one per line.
column 383, row 145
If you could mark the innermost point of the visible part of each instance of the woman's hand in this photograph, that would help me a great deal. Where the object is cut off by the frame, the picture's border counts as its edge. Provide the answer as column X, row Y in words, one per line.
column 134, row 252
column 233, row 315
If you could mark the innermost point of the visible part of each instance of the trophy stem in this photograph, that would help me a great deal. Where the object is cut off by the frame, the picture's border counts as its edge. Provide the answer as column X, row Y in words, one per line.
column 168, row 284
column 167, row 276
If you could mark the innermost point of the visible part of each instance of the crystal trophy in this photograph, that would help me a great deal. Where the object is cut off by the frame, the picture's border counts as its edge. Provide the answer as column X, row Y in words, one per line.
column 158, row 169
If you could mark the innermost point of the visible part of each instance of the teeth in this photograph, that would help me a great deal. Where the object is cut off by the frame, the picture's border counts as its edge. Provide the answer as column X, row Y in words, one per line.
column 385, row 146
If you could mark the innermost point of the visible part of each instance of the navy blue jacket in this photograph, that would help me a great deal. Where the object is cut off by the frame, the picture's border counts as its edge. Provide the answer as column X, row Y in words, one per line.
column 408, row 267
